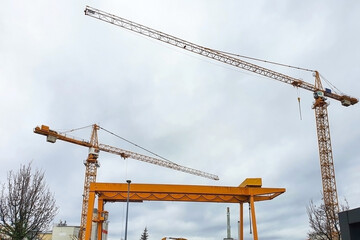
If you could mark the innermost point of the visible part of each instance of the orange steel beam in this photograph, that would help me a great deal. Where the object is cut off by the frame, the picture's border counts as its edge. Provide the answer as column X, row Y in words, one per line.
column 117, row 192
column 253, row 217
column 249, row 191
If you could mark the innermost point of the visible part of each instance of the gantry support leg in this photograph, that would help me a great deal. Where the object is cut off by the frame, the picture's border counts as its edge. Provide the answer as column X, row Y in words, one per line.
column 100, row 218
column 89, row 215
column 253, row 217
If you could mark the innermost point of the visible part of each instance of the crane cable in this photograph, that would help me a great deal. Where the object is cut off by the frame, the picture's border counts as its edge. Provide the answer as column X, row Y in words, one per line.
column 279, row 64
column 335, row 89
column 116, row 135
column 298, row 93
column 128, row 141
column 250, row 219
column 265, row 61
column 75, row 129
column 332, row 86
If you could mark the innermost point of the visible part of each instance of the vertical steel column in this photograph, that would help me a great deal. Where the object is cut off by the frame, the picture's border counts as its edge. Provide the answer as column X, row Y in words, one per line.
column 253, row 217
column 100, row 218
column 91, row 202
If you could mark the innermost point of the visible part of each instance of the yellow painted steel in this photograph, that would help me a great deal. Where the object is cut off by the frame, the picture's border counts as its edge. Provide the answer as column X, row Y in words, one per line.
column 251, row 182
column 117, row 192
column 253, row 217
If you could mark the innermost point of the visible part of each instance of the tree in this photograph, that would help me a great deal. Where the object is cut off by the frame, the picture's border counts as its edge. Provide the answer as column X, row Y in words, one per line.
column 145, row 235
column 26, row 205
column 319, row 224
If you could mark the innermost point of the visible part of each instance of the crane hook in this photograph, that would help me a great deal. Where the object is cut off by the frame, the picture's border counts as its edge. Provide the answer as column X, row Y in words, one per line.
column 299, row 103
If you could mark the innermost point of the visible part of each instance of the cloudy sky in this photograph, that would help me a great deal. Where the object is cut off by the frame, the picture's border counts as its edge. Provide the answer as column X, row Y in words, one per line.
column 61, row 68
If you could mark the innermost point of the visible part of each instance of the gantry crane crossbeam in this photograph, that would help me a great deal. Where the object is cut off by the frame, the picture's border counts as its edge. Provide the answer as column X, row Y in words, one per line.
column 249, row 191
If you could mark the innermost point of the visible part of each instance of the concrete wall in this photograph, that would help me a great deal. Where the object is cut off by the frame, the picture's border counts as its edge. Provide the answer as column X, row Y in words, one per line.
column 65, row 232
column 350, row 224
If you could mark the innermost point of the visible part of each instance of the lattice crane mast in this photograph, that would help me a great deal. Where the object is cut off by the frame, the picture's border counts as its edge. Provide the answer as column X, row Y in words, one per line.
column 320, row 95
column 92, row 163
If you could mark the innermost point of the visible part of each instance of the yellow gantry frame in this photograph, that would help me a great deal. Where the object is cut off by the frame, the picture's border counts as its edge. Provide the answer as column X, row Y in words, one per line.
column 249, row 191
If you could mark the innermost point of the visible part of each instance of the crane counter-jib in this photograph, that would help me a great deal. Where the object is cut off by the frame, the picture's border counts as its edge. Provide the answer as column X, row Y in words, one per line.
column 52, row 136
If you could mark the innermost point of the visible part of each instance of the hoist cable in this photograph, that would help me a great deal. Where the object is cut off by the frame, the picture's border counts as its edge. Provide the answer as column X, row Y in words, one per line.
column 75, row 129
column 250, row 219
column 298, row 93
column 335, row 89
column 136, row 145
column 265, row 61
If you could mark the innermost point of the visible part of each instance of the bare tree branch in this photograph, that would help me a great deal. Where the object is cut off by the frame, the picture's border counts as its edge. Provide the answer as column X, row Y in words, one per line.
column 27, row 207
column 320, row 225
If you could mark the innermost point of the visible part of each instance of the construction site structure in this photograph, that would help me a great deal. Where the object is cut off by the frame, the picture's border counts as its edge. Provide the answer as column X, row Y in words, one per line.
column 92, row 163
column 249, row 191
column 319, row 92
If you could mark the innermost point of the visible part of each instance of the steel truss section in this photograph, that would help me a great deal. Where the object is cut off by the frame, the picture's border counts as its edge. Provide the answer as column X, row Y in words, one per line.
column 250, row 191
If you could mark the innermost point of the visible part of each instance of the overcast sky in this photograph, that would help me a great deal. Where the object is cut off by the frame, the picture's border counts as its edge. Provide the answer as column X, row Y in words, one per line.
column 61, row 68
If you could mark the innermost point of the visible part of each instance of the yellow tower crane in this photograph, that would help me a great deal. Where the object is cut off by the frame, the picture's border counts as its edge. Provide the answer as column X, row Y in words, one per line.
column 92, row 163
column 320, row 95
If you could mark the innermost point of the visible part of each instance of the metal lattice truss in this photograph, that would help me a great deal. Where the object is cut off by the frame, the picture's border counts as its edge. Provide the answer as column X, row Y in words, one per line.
column 249, row 191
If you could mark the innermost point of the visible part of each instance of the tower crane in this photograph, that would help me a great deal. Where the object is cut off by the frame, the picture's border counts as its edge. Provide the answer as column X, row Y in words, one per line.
column 92, row 162
column 320, row 94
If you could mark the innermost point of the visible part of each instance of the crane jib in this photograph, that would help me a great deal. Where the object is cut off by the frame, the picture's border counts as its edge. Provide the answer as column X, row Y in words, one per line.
column 52, row 136
column 211, row 53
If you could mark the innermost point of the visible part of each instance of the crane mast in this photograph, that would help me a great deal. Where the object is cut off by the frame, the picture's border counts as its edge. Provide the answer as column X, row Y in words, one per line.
column 92, row 164
column 320, row 95
column 327, row 168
